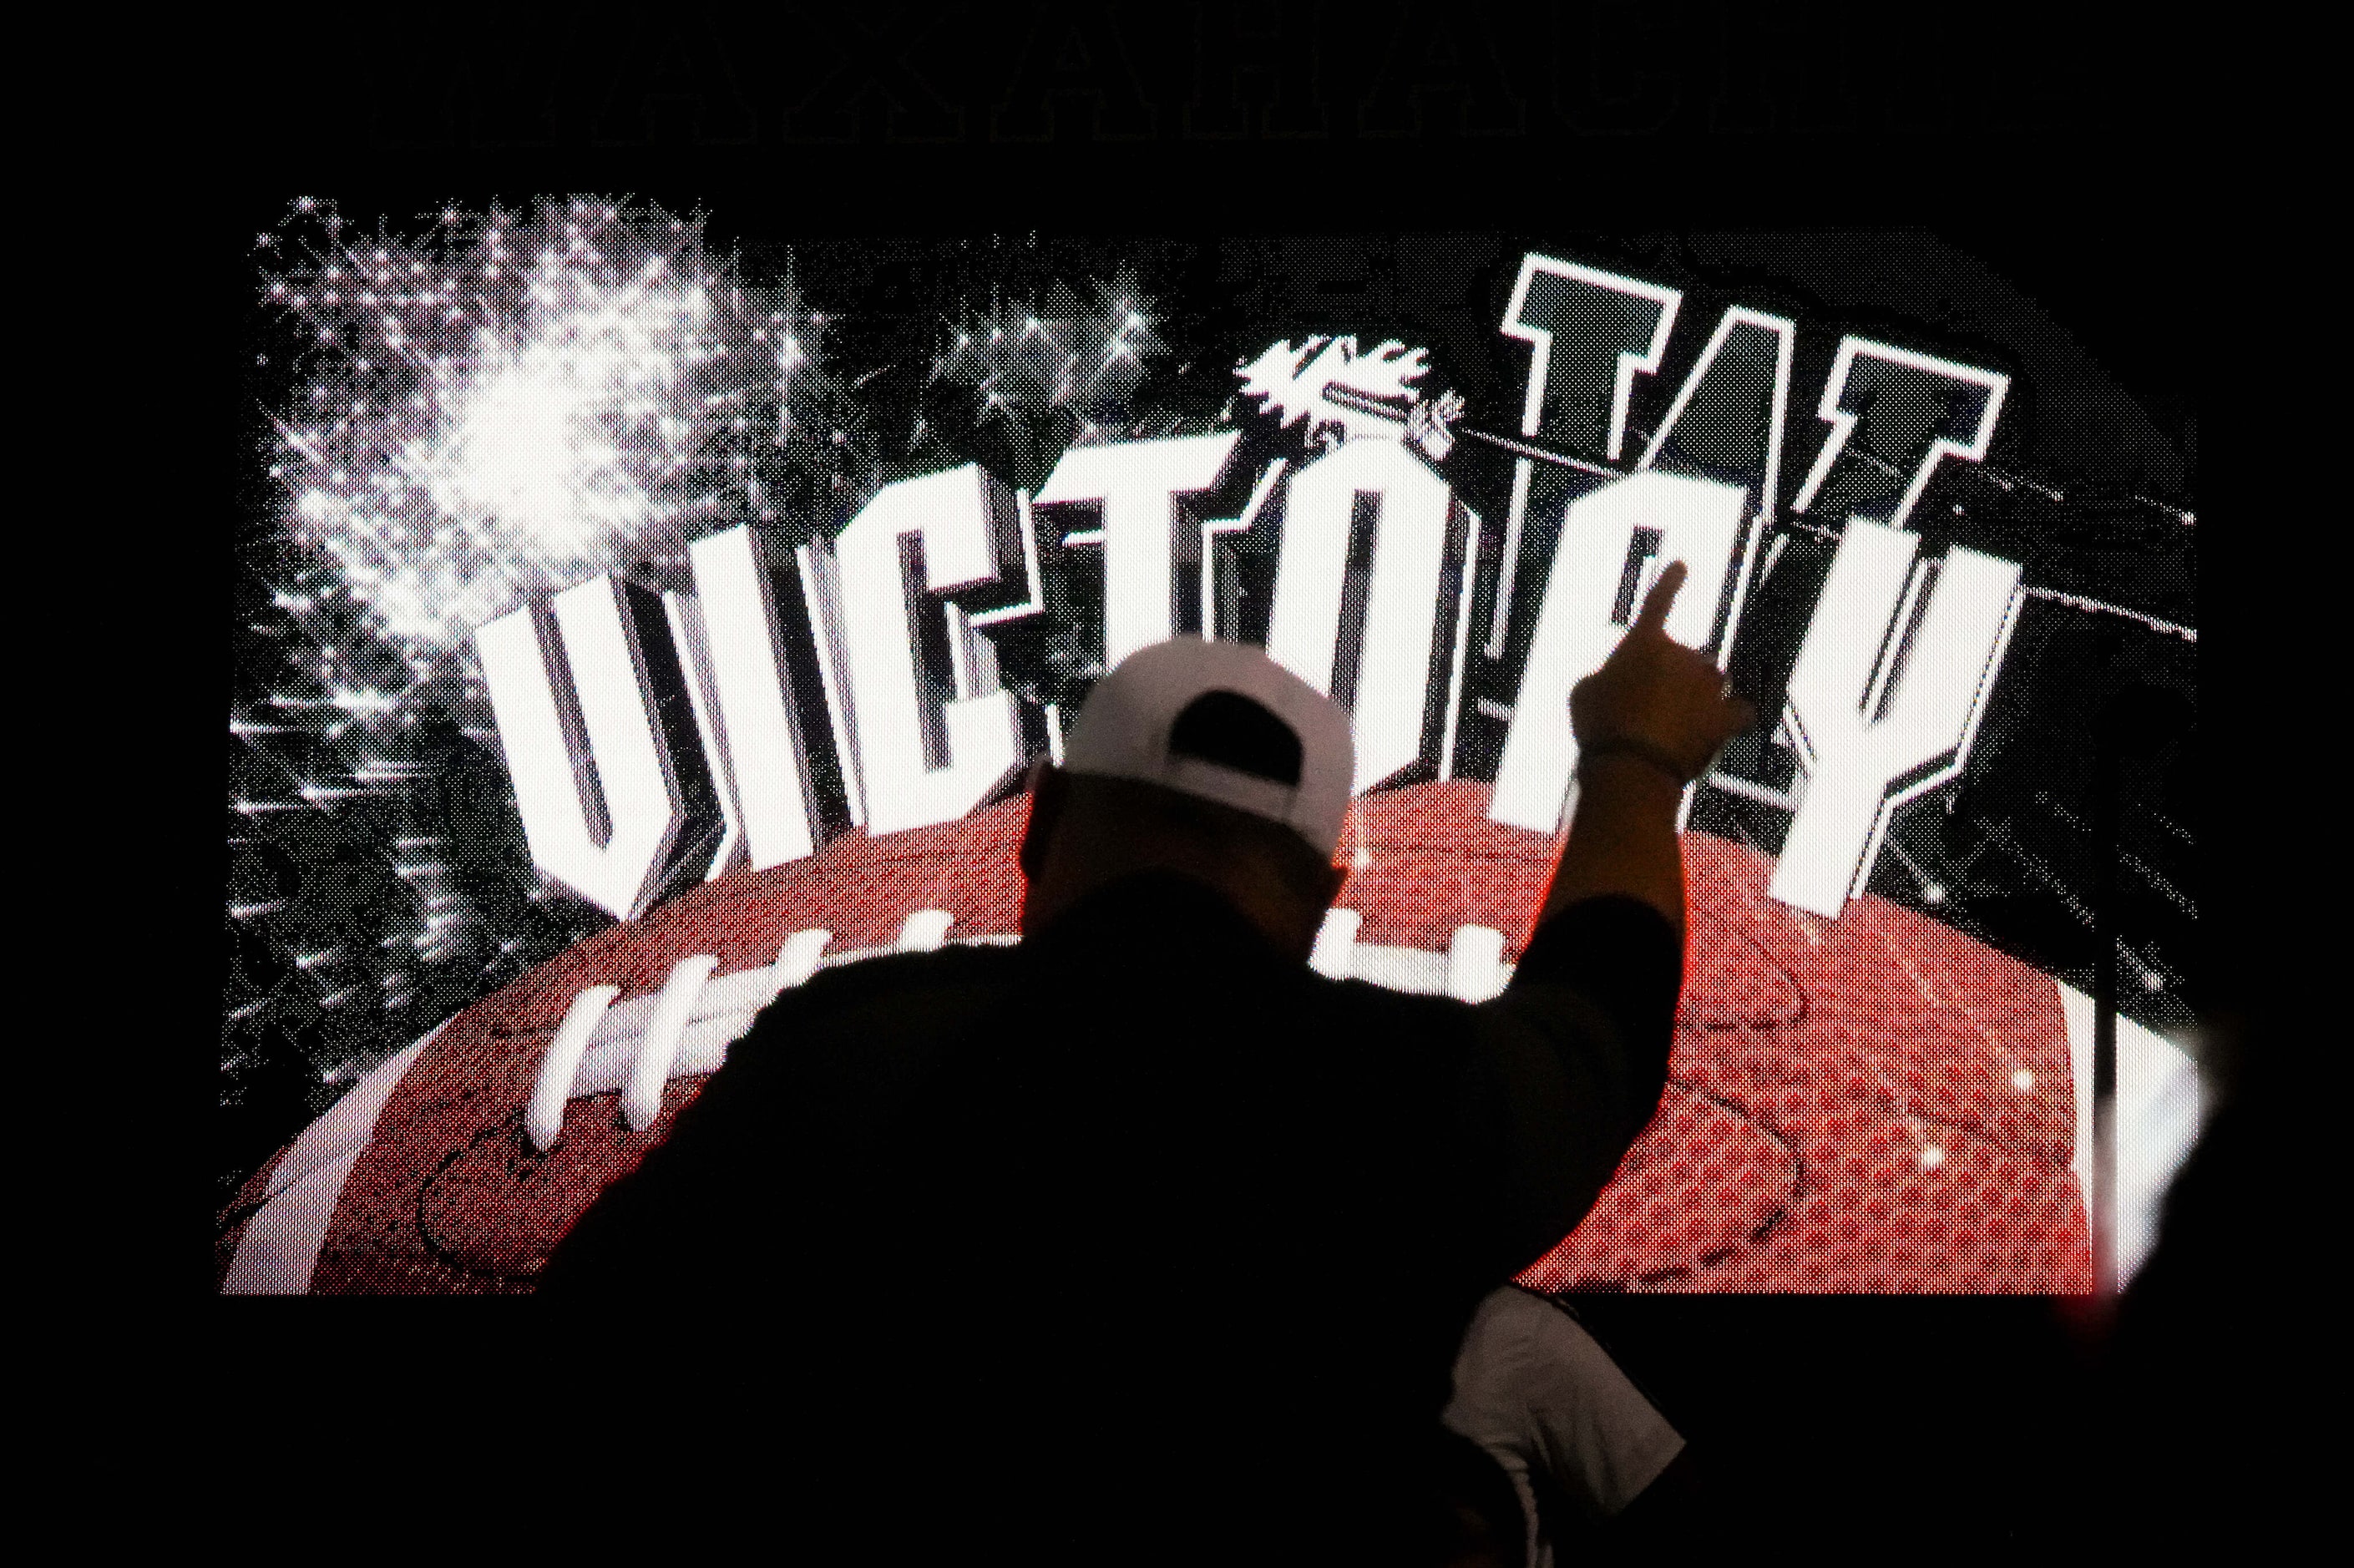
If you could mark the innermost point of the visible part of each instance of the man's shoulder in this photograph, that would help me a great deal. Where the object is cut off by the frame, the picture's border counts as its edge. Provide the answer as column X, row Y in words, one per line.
column 874, row 1001
column 1384, row 1002
column 1373, row 1024
column 948, row 967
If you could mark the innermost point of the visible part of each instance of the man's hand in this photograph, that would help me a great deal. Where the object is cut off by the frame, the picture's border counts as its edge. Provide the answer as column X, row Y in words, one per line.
column 1647, row 722
column 1656, row 698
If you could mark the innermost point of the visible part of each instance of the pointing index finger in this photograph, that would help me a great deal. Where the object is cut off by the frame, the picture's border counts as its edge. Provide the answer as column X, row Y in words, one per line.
column 1656, row 604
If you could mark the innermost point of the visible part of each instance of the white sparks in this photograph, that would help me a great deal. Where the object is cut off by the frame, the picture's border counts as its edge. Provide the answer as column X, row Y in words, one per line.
column 1032, row 360
column 529, row 425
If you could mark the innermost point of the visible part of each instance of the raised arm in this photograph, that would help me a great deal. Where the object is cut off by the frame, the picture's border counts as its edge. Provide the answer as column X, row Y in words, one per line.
column 1581, row 1037
column 1649, row 722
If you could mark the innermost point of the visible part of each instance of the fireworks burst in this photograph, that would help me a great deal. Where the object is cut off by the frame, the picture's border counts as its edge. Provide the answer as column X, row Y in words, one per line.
column 1053, row 375
column 478, row 414
column 507, row 406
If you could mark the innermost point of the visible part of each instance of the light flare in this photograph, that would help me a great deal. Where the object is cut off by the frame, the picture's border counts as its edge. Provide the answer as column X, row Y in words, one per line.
column 507, row 405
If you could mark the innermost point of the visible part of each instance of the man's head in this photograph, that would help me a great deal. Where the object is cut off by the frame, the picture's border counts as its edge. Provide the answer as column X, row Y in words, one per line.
column 1205, row 758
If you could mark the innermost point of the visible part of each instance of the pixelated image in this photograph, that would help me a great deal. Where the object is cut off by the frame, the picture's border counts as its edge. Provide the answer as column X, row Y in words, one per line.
column 630, row 623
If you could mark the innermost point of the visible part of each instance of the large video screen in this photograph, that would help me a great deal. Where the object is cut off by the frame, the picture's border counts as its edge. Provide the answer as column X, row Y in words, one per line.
column 632, row 619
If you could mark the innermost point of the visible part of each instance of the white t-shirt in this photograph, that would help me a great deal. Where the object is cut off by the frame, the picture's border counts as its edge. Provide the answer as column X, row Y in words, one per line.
column 1534, row 1389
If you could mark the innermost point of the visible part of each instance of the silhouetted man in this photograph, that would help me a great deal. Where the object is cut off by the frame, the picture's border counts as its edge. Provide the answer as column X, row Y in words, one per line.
column 1141, row 1237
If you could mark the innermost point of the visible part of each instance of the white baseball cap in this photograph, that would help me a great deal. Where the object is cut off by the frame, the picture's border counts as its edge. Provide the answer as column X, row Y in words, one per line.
column 1160, row 718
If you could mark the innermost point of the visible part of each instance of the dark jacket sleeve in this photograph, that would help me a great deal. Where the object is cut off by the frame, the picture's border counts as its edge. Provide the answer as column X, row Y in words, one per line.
column 681, row 1223
column 1575, row 1057
column 792, row 1150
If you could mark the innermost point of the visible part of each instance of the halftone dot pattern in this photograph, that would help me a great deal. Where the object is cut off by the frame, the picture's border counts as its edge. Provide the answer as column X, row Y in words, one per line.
column 861, row 888
column 467, row 409
column 464, row 1213
column 1873, row 1104
column 1926, row 1137
column 1693, row 1192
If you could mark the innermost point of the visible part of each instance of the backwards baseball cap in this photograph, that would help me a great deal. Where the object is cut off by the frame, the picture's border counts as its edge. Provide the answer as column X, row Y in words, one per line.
column 1223, row 722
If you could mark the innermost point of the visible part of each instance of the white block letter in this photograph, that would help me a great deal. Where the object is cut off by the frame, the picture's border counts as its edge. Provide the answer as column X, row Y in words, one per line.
column 1387, row 650
column 765, row 748
column 964, row 528
column 1886, row 698
column 1139, row 483
column 1614, row 542
column 687, row 635
column 596, row 781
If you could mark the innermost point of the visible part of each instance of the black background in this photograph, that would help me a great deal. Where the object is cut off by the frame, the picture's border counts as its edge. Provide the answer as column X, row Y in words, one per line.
column 2073, row 167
